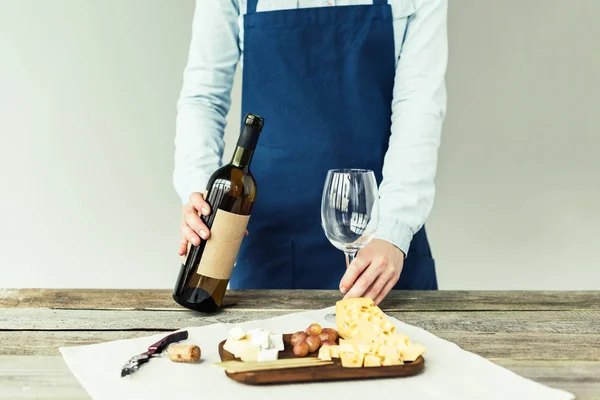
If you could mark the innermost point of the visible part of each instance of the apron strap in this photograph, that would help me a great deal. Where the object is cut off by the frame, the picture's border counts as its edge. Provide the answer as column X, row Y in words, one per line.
column 251, row 5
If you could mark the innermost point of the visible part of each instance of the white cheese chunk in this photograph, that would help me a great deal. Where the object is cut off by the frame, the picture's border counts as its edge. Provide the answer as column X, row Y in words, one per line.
column 261, row 339
column 276, row 341
column 254, row 330
column 250, row 353
column 237, row 333
column 268, row 355
column 324, row 354
column 236, row 347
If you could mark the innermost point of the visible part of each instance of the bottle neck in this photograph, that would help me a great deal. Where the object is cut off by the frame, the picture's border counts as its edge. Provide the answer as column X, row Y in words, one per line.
column 242, row 157
column 245, row 147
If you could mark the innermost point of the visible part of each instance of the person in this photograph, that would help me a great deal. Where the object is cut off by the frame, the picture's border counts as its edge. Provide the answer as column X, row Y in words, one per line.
column 340, row 84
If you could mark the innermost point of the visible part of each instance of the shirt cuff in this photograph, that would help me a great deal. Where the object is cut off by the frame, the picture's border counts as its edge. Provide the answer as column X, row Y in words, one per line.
column 397, row 233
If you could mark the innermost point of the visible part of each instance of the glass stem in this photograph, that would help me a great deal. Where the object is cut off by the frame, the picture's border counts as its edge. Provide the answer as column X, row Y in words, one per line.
column 349, row 257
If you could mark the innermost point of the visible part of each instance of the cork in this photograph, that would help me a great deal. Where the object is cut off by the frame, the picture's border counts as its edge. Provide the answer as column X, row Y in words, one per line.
column 187, row 353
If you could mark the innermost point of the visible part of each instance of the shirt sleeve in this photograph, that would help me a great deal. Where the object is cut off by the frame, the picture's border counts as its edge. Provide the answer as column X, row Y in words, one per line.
column 418, row 110
column 205, row 97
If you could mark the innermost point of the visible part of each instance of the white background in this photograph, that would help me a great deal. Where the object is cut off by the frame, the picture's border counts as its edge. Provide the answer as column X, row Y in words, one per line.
column 87, row 108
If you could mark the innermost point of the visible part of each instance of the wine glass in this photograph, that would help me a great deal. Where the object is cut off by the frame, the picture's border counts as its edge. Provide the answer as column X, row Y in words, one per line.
column 349, row 211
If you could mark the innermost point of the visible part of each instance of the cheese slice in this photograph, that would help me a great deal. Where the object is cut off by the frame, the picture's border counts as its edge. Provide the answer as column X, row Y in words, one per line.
column 372, row 361
column 324, row 353
column 412, row 352
column 351, row 360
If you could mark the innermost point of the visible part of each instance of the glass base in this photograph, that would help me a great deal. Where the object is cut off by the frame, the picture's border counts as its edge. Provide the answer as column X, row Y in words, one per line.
column 330, row 318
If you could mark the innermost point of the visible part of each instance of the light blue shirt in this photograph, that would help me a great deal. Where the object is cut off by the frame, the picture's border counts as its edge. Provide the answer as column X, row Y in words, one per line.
column 418, row 107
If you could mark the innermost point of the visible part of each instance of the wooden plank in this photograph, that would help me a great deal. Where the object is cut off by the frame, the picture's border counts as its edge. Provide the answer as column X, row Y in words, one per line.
column 518, row 346
column 528, row 346
column 304, row 299
column 578, row 322
column 51, row 319
column 36, row 377
column 46, row 343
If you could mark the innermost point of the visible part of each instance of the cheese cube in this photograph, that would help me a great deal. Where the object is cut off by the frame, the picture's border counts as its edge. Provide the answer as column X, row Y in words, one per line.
column 398, row 342
column 364, row 349
column 324, row 353
column 250, row 353
column 260, row 339
column 268, row 355
column 404, row 338
column 387, row 351
column 355, row 343
column 237, row 333
column 389, row 361
column 276, row 341
column 347, row 348
column 334, row 351
column 236, row 347
column 372, row 361
column 412, row 352
column 351, row 360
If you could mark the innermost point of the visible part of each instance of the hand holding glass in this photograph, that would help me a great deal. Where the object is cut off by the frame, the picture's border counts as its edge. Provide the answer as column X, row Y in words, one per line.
column 349, row 211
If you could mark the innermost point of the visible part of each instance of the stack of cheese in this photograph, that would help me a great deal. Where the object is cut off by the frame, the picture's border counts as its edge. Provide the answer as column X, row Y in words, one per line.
column 368, row 338
column 254, row 345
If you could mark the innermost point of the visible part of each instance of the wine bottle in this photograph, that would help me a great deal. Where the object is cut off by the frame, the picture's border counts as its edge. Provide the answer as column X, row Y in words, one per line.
column 231, row 192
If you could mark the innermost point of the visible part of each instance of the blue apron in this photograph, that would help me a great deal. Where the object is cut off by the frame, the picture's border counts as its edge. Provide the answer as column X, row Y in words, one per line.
column 323, row 79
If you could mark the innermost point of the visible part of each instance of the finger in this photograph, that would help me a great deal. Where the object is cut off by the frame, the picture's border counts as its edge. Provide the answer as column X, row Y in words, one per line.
column 193, row 221
column 375, row 289
column 183, row 244
column 189, row 234
column 353, row 272
column 198, row 202
column 386, row 289
column 246, row 233
column 364, row 281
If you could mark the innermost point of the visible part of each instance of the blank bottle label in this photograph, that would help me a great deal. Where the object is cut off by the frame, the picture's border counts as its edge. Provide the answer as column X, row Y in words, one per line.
column 223, row 245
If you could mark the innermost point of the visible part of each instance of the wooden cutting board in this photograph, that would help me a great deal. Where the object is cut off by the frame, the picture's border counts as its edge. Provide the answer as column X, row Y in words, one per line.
column 331, row 372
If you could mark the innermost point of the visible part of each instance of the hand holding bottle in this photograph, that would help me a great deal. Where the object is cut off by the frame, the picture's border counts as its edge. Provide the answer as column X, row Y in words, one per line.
column 192, row 228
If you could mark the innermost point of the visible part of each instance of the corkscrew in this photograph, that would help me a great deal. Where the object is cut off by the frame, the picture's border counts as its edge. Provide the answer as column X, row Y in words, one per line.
column 154, row 350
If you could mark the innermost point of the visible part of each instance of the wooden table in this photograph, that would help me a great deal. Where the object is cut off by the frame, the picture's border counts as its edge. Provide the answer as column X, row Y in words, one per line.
column 551, row 337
